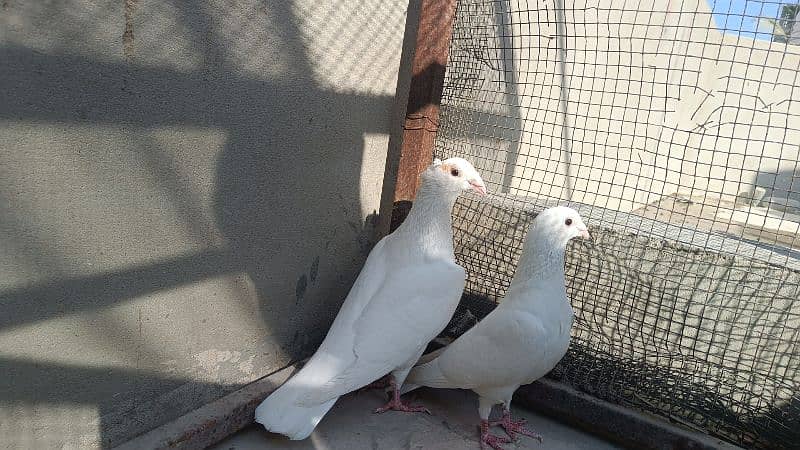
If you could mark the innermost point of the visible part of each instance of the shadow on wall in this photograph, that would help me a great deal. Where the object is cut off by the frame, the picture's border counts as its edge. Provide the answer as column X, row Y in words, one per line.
column 287, row 195
column 768, row 212
column 781, row 189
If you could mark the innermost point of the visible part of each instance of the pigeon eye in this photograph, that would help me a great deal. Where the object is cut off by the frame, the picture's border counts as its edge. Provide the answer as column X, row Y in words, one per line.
column 454, row 172
column 568, row 222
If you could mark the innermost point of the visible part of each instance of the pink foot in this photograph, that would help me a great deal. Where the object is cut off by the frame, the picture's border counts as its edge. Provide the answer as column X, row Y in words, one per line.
column 490, row 439
column 395, row 404
column 514, row 427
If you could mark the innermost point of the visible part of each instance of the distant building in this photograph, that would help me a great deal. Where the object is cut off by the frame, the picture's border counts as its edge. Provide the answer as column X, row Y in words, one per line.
column 786, row 27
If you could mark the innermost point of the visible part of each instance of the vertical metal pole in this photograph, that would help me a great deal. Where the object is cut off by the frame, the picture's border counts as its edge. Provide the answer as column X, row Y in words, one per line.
column 425, row 94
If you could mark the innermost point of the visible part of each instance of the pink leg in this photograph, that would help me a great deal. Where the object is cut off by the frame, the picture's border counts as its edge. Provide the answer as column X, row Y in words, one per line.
column 381, row 383
column 395, row 404
column 490, row 439
column 514, row 427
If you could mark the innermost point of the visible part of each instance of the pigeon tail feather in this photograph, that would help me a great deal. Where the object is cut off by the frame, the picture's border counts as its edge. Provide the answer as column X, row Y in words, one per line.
column 428, row 374
column 279, row 413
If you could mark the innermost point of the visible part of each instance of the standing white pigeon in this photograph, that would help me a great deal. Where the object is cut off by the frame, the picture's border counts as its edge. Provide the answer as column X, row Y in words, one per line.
column 404, row 296
column 522, row 339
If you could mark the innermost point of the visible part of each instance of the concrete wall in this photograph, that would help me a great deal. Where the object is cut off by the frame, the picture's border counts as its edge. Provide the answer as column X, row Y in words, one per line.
column 187, row 191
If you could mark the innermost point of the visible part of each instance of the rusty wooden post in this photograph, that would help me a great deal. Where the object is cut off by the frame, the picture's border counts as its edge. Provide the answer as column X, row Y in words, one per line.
column 425, row 94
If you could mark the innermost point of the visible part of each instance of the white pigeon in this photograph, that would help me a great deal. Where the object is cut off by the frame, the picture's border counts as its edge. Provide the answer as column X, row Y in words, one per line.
column 522, row 339
column 404, row 296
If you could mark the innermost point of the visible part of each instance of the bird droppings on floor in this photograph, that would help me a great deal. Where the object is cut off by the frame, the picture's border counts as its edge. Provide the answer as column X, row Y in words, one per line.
column 453, row 424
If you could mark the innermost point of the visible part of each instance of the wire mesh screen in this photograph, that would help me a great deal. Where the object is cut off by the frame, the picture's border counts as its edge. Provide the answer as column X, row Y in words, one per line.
column 674, row 128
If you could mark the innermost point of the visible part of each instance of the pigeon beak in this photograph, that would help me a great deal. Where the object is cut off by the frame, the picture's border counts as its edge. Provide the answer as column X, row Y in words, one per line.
column 585, row 234
column 478, row 186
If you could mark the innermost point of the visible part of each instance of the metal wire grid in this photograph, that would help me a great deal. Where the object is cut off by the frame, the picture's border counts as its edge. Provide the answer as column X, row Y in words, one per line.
column 674, row 129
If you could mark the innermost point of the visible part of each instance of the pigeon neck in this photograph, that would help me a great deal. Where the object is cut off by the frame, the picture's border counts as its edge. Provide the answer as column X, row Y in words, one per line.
column 543, row 271
column 541, row 263
column 429, row 224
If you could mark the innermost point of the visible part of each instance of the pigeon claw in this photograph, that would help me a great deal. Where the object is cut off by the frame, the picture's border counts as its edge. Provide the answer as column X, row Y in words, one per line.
column 514, row 427
column 395, row 404
column 400, row 406
column 493, row 441
column 490, row 439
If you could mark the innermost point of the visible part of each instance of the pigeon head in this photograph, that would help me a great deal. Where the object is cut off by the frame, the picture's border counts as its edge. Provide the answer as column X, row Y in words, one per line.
column 554, row 227
column 454, row 175
column 547, row 240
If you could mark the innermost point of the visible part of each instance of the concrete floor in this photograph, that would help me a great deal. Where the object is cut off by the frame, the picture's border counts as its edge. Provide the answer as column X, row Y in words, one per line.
column 452, row 425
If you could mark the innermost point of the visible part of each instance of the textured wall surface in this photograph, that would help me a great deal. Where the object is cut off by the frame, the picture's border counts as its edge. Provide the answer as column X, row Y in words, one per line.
column 187, row 192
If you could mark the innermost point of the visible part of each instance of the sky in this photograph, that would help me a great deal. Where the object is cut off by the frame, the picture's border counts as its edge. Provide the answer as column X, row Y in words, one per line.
column 739, row 17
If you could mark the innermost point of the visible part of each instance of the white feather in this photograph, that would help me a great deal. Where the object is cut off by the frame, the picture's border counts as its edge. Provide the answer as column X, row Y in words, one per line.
column 526, row 335
column 404, row 296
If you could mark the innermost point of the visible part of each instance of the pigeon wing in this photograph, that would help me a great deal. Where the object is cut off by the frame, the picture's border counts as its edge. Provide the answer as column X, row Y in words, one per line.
column 406, row 312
